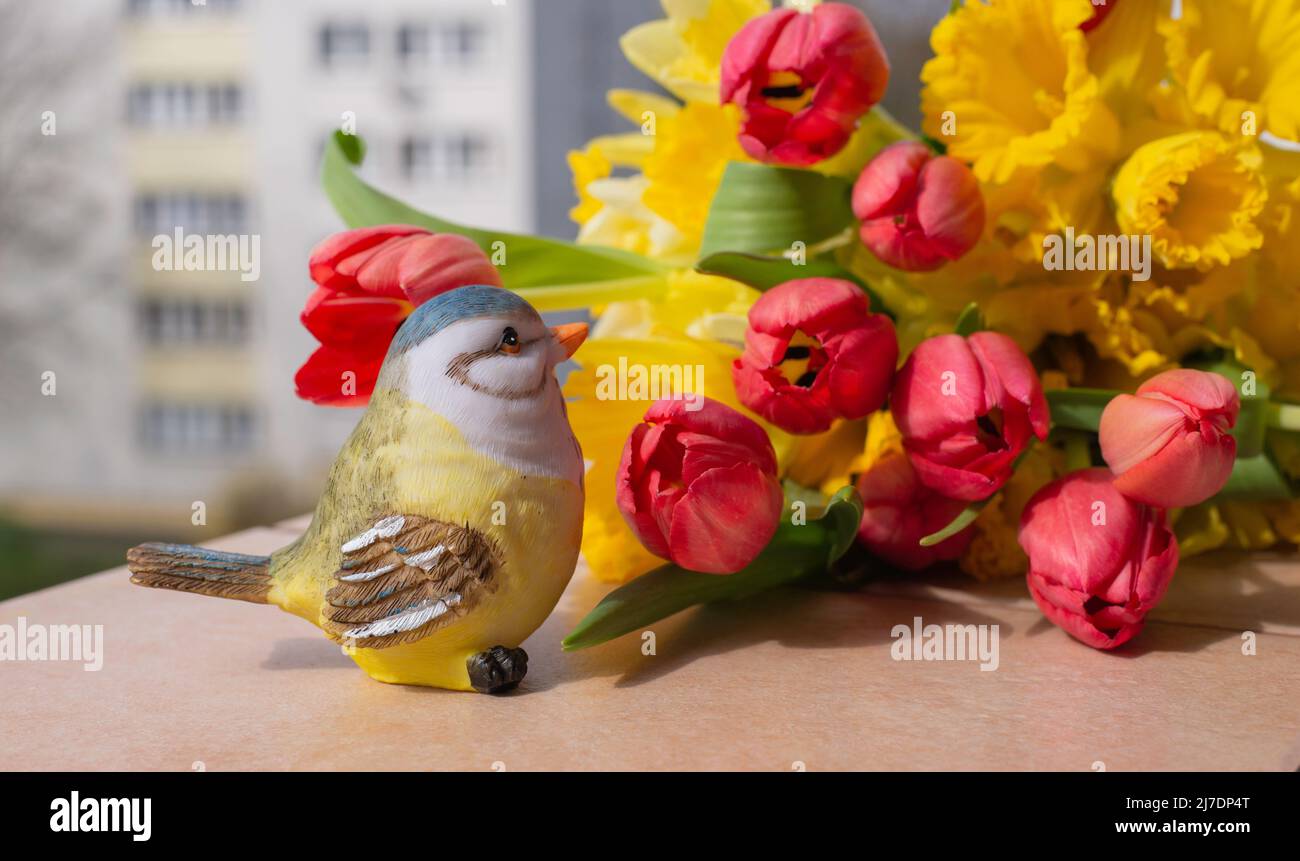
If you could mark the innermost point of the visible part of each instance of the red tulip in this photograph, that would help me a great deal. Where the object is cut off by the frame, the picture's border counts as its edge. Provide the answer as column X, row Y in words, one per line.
column 898, row 511
column 814, row 352
column 1169, row 445
column 699, row 486
column 1099, row 13
column 918, row 210
column 1098, row 561
column 966, row 408
column 803, row 79
column 370, row 280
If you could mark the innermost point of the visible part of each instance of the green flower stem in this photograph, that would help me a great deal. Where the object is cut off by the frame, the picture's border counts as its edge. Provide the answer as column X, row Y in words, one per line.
column 1078, row 409
column 1078, row 451
column 960, row 522
column 969, row 321
column 971, row 512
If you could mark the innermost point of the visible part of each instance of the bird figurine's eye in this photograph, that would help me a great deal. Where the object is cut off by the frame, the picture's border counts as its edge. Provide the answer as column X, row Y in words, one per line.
column 509, row 341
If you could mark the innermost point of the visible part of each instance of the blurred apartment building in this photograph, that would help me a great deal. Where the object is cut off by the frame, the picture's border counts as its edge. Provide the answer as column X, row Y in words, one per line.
column 215, row 116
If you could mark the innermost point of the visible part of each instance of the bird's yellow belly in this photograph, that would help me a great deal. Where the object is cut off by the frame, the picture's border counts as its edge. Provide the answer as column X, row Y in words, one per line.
column 535, row 522
column 539, row 539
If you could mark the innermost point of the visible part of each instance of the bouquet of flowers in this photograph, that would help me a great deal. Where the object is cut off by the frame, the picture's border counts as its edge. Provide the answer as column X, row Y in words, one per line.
column 1049, row 335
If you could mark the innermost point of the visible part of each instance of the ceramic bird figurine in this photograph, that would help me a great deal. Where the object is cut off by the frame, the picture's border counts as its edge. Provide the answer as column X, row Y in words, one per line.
column 451, row 520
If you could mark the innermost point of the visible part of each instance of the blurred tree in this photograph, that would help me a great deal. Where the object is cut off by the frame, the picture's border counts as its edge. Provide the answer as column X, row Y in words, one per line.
column 56, row 244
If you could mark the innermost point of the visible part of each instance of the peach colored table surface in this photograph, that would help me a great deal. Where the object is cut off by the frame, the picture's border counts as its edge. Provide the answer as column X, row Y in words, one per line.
column 793, row 679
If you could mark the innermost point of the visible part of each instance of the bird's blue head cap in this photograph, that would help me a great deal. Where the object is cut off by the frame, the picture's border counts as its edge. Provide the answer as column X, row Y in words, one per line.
column 463, row 303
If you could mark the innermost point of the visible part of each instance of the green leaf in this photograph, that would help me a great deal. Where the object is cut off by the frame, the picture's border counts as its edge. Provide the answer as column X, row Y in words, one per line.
column 939, row 147
column 1078, row 409
column 1217, row 361
column 1252, row 425
column 1256, row 478
column 764, row 273
column 531, row 262
column 793, row 553
column 970, row 321
column 762, row 209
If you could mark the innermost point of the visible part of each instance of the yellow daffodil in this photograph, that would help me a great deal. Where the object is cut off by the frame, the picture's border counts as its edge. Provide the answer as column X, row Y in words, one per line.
column 826, row 461
column 1236, row 526
column 1249, row 526
column 624, row 221
column 1009, row 88
column 691, row 151
column 831, row 460
column 1282, row 219
column 1199, row 529
column 1238, row 63
column 1198, row 196
column 1127, row 54
column 683, row 52
column 1184, row 297
column 587, row 166
column 1285, row 518
column 612, row 210
column 681, row 152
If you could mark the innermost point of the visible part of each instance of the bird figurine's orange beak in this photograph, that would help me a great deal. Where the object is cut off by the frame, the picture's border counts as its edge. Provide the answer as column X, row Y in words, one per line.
column 570, row 336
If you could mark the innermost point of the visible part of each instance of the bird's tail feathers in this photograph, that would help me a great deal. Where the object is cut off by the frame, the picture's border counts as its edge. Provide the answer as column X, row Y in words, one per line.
column 186, row 568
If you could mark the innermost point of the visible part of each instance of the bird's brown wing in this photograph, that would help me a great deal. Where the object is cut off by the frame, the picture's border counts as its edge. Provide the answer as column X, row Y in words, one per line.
column 404, row 578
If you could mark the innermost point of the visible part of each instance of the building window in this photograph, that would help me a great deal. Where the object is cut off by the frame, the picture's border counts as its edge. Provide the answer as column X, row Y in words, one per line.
column 194, row 212
column 462, row 43
column 417, row 158
column 143, row 8
column 344, row 44
column 193, row 322
column 188, row 428
column 414, row 44
column 183, row 105
column 452, row 157
column 460, row 156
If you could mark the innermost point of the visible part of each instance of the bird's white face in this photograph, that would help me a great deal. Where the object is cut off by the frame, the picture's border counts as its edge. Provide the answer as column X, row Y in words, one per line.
column 501, row 357
column 493, row 377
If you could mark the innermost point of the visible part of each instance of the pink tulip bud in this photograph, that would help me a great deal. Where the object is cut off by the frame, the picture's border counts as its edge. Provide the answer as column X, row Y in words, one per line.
column 803, row 79
column 1098, row 561
column 401, row 261
column 699, row 487
column 814, row 353
column 1168, row 445
column 966, row 408
column 918, row 210
column 898, row 511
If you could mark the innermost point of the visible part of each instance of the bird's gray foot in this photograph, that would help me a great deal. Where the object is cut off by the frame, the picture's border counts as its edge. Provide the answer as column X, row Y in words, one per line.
column 497, row 670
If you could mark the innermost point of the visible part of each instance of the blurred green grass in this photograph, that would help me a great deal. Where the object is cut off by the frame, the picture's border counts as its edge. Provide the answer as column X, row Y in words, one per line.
column 32, row 559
